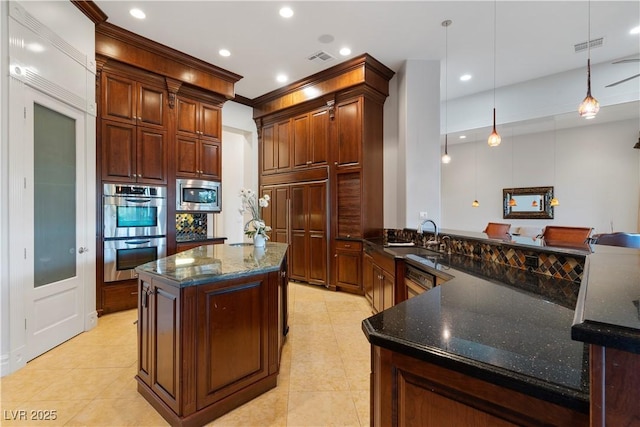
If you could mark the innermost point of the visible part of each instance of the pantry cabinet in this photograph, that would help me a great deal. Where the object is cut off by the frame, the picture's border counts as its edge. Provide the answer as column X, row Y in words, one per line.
column 337, row 135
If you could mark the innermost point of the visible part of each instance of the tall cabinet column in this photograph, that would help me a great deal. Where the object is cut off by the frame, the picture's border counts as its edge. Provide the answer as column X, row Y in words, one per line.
column 332, row 139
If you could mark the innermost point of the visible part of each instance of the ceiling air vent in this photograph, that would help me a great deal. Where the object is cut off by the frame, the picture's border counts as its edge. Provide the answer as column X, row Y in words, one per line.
column 320, row 56
column 594, row 43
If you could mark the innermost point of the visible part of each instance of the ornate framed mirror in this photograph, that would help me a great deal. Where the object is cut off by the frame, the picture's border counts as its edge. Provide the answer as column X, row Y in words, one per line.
column 528, row 203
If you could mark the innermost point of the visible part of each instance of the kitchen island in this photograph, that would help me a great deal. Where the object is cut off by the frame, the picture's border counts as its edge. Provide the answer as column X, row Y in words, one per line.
column 493, row 345
column 211, row 325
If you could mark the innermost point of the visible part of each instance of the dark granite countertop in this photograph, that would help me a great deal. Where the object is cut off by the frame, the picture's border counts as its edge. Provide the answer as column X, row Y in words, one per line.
column 522, row 242
column 214, row 263
column 197, row 238
column 491, row 321
column 608, row 309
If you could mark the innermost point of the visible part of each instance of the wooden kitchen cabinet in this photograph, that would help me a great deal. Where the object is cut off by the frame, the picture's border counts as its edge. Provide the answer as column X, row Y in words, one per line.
column 308, row 261
column 349, row 133
column 276, row 215
column 159, row 345
column 339, row 132
column 310, row 139
column 198, row 158
column 409, row 392
column 367, row 275
column 275, row 150
column 133, row 153
column 348, row 262
column 126, row 100
column 198, row 140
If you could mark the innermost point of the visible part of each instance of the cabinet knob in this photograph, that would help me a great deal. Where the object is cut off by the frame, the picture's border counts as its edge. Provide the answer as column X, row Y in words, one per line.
column 309, row 162
column 335, row 163
column 335, row 255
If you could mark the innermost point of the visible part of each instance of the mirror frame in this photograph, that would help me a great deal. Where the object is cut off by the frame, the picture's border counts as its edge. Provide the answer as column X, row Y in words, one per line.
column 545, row 193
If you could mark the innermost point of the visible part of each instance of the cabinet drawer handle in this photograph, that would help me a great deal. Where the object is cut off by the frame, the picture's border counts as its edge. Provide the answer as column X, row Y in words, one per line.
column 347, row 246
column 309, row 162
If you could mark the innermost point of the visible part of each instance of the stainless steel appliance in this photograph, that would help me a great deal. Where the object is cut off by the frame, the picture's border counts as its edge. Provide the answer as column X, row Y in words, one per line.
column 135, row 228
column 417, row 281
column 134, row 211
column 198, row 195
column 122, row 256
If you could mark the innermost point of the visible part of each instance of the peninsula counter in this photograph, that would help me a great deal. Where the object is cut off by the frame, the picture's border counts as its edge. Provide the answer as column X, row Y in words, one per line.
column 211, row 325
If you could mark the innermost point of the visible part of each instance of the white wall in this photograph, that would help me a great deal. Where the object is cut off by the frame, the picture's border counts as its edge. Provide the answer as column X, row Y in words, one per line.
column 239, row 167
column 419, row 139
column 64, row 69
column 595, row 178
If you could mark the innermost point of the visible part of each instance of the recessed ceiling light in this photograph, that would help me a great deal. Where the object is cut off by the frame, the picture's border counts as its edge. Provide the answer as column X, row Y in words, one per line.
column 35, row 47
column 635, row 30
column 345, row 51
column 224, row 52
column 462, row 136
column 137, row 13
column 465, row 77
column 282, row 78
column 286, row 12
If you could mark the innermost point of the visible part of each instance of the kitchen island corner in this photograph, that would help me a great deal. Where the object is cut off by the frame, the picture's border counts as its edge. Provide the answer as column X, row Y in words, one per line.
column 211, row 325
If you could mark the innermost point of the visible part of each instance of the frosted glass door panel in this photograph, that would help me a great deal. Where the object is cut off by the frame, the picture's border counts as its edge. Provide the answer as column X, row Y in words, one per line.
column 54, row 196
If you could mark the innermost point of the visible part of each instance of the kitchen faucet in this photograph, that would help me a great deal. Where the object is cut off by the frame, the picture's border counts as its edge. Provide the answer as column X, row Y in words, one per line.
column 433, row 241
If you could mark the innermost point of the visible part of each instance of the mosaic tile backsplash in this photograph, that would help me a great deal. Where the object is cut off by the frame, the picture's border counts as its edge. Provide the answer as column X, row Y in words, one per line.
column 560, row 266
column 191, row 226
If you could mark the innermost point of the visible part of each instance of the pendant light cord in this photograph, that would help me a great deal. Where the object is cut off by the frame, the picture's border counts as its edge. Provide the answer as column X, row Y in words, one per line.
column 494, row 59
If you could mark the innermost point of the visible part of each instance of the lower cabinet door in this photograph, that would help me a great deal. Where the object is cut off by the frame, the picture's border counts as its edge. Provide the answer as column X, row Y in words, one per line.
column 232, row 351
column 165, row 352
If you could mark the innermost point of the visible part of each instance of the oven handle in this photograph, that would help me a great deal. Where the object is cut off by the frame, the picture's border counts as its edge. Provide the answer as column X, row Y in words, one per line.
column 138, row 200
column 137, row 242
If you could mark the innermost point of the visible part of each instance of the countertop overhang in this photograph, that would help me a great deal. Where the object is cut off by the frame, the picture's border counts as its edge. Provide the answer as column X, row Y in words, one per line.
column 214, row 263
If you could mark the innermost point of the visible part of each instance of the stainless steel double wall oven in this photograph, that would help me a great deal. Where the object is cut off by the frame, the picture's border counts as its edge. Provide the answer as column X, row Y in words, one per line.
column 135, row 228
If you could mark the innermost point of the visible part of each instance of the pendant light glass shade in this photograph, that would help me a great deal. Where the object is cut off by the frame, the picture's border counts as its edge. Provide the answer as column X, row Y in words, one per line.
column 637, row 144
column 589, row 106
column 475, row 204
column 534, row 204
column 494, row 139
column 446, row 158
column 512, row 202
column 554, row 202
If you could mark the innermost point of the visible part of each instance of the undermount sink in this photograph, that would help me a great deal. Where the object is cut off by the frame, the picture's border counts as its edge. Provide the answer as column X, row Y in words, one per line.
column 400, row 244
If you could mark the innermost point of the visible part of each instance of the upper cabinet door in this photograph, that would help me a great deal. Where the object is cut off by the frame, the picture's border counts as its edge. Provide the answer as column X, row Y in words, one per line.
column 129, row 101
column 150, row 107
column 118, row 98
column 319, row 137
column 210, row 122
column 349, row 143
column 300, row 141
column 187, row 116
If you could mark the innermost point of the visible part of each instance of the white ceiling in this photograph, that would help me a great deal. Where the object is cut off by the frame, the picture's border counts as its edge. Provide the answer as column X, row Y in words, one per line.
column 533, row 38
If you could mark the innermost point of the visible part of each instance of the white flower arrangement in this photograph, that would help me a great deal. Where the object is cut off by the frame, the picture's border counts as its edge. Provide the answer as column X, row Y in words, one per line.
column 252, row 204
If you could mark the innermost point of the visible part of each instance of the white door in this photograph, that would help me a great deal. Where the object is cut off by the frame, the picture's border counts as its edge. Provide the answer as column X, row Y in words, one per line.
column 55, row 299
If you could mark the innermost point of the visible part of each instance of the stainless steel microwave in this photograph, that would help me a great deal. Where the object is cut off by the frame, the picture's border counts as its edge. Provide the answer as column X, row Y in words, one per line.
column 198, row 195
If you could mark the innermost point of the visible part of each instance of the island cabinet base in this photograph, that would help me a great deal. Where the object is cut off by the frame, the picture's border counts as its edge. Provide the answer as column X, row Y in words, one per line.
column 206, row 349
column 410, row 392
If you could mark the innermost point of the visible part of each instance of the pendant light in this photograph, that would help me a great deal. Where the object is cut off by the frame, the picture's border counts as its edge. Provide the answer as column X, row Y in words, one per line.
column 554, row 201
column 494, row 138
column 589, row 106
column 637, row 143
column 446, row 158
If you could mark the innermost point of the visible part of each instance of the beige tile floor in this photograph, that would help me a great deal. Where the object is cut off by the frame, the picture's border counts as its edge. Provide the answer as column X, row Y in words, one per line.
column 89, row 380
